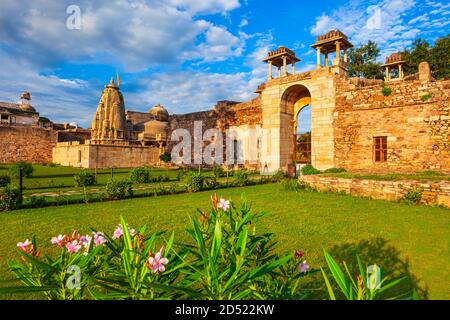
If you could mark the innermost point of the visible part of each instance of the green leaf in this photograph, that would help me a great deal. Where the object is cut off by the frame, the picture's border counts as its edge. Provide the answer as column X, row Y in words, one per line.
column 329, row 288
column 338, row 275
column 11, row 290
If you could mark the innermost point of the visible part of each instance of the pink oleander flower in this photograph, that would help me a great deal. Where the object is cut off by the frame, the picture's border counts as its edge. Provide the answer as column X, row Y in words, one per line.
column 24, row 245
column 85, row 241
column 156, row 263
column 303, row 267
column 59, row 240
column 223, row 204
column 73, row 246
column 119, row 232
column 99, row 238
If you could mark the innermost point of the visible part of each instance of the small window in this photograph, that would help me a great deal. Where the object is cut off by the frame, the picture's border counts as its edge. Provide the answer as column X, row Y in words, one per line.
column 79, row 156
column 380, row 149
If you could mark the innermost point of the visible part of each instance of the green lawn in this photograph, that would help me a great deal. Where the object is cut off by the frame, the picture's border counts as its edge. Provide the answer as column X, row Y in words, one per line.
column 405, row 239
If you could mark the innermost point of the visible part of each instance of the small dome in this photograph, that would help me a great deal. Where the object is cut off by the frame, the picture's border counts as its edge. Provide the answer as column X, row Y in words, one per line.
column 160, row 113
column 155, row 127
column 25, row 95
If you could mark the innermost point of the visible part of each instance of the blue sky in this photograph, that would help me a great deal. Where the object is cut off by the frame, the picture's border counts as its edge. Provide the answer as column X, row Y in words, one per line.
column 184, row 54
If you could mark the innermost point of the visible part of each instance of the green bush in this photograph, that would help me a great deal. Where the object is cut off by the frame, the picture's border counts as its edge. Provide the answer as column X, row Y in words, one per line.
column 37, row 202
column 335, row 170
column 10, row 198
column 294, row 185
column 165, row 157
column 140, row 175
column 195, row 182
column 84, row 179
column 218, row 172
column 413, row 195
column 279, row 176
column 27, row 169
column 241, row 178
column 118, row 189
column 386, row 91
column 426, row 97
column 309, row 170
column 4, row 180
column 211, row 183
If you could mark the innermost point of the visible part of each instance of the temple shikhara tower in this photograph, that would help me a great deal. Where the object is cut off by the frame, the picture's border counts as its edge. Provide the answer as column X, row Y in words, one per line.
column 356, row 123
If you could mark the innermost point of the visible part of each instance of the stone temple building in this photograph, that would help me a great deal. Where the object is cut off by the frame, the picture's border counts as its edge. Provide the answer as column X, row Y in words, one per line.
column 399, row 124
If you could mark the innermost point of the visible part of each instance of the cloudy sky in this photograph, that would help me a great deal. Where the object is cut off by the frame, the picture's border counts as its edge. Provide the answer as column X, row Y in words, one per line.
column 184, row 54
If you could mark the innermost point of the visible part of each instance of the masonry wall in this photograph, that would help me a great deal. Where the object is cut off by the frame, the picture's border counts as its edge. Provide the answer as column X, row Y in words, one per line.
column 104, row 156
column 417, row 128
column 240, row 117
column 29, row 144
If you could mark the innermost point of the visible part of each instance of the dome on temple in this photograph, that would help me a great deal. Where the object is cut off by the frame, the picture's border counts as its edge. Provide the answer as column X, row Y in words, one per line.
column 25, row 104
column 153, row 128
column 160, row 113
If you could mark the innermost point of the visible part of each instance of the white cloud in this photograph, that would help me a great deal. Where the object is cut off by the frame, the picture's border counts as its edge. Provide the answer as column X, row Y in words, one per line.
column 243, row 23
column 206, row 6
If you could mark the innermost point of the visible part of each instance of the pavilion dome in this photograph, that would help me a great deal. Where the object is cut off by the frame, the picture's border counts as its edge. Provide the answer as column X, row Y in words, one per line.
column 160, row 113
column 155, row 127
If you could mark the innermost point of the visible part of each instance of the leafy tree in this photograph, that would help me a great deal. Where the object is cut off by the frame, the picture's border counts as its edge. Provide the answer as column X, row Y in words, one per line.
column 362, row 62
column 419, row 52
column 440, row 58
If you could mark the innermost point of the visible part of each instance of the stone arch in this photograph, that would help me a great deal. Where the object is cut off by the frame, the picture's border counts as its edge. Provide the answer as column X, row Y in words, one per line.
column 293, row 100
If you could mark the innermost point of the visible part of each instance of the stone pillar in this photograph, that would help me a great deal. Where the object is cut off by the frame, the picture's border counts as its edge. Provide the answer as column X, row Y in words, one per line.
column 338, row 52
column 279, row 72
column 293, row 67
column 270, row 70
column 424, row 71
column 388, row 77
column 326, row 59
column 319, row 64
column 345, row 56
column 400, row 72
column 284, row 66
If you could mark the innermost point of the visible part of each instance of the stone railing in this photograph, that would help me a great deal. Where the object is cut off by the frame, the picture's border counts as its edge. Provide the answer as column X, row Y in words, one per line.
column 434, row 193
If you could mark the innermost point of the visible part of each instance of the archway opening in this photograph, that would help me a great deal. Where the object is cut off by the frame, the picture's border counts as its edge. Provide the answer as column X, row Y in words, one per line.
column 293, row 122
column 303, row 136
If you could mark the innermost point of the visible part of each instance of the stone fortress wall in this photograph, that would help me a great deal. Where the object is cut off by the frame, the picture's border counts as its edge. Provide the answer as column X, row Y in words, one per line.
column 415, row 117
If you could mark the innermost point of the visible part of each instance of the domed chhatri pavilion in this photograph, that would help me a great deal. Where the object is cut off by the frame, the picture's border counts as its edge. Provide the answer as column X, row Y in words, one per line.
column 119, row 138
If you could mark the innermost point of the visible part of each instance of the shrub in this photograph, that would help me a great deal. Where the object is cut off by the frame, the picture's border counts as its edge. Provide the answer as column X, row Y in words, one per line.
column 118, row 189
column 294, row 185
column 211, row 183
column 4, row 180
column 218, row 172
column 84, row 179
column 10, row 198
column 309, row 170
column 37, row 202
column 165, row 157
column 413, row 195
column 426, row 97
column 335, row 170
column 140, row 175
column 27, row 169
column 386, row 91
column 195, row 182
column 241, row 178
column 279, row 176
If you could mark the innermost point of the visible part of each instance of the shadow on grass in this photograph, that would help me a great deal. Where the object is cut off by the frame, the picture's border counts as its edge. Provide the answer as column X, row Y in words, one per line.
column 373, row 251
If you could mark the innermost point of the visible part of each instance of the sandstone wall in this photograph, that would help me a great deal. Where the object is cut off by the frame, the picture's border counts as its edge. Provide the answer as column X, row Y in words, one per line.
column 29, row 144
column 415, row 118
column 225, row 115
column 434, row 193
column 104, row 156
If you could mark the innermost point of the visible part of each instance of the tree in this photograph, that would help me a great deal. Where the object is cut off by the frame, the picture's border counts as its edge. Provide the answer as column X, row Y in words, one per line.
column 419, row 52
column 362, row 62
column 440, row 58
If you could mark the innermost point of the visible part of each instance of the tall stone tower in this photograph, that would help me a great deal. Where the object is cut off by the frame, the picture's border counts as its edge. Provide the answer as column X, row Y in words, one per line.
column 109, row 125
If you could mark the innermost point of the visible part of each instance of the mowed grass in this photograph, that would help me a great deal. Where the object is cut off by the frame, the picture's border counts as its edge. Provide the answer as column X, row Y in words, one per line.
column 406, row 239
column 421, row 176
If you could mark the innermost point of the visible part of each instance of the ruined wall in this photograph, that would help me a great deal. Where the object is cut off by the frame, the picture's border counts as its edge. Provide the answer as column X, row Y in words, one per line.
column 29, row 144
column 415, row 117
column 104, row 156
column 225, row 115
column 437, row 193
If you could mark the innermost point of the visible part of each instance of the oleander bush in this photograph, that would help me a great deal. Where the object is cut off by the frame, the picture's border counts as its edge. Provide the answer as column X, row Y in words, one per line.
column 218, row 172
column 27, row 169
column 195, row 182
column 413, row 195
column 4, row 180
column 10, row 198
column 165, row 157
column 241, row 178
column 84, row 179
